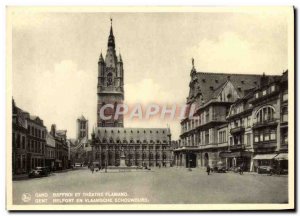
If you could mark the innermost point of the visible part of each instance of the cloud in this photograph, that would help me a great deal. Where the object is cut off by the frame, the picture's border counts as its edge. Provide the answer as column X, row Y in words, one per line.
column 146, row 91
column 61, row 95
column 234, row 54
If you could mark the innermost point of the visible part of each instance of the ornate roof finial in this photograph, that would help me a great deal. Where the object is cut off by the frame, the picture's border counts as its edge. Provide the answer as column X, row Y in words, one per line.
column 193, row 71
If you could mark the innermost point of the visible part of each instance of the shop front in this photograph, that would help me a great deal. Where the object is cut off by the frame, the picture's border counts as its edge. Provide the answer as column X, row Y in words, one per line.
column 281, row 162
column 237, row 159
column 263, row 160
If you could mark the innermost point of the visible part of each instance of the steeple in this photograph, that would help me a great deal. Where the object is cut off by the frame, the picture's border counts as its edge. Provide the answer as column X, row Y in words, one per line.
column 120, row 58
column 111, row 38
column 101, row 58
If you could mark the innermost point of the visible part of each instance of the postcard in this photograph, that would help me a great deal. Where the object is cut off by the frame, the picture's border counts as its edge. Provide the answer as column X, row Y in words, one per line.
column 150, row 108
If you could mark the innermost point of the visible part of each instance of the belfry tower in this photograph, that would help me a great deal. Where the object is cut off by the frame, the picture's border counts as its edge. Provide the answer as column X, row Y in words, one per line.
column 110, row 90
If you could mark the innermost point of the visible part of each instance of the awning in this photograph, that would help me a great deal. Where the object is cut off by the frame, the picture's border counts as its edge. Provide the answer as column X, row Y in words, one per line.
column 282, row 156
column 264, row 156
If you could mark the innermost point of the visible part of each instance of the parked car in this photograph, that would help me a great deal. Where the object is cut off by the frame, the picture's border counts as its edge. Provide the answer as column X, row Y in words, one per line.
column 38, row 172
column 264, row 169
column 219, row 168
column 78, row 165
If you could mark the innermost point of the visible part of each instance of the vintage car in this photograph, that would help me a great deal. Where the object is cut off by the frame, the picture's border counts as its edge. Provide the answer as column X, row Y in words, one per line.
column 39, row 172
column 264, row 169
column 220, row 168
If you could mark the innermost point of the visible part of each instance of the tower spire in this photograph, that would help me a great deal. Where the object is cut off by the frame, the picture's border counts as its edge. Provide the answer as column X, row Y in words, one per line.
column 111, row 38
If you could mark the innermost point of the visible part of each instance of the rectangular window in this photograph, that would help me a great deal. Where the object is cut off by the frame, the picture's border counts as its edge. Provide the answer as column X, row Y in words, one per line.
column 261, row 137
column 272, row 88
column 256, row 138
column 256, row 95
column 249, row 121
column 264, row 92
column 206, row 137
column 248, row 139
column 23, row 142
column 273, row 135
column 285, row 96
column 285, row 139
column 266, row 137
column 18, row 140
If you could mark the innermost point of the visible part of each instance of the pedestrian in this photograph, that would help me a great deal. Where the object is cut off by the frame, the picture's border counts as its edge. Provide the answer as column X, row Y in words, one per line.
column 208, row 169
column 92, row 169
column 241, row 169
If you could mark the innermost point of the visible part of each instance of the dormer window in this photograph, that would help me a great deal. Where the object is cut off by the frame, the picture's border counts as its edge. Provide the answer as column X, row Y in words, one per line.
column 211, row 88
column 203, row 80
column 217, row 81
column 243, row 82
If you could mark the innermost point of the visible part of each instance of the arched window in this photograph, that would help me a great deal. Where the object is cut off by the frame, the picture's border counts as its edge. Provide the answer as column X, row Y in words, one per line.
column 109, row 79
column 265, row 114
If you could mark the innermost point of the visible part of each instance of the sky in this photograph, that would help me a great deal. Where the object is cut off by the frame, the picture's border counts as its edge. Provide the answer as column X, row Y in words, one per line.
column 55, row 55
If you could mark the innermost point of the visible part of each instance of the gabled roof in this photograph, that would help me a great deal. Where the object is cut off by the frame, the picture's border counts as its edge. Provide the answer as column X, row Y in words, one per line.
column 209, row 85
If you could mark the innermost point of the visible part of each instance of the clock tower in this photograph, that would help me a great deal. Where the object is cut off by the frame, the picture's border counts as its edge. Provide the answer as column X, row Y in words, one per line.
column 110, row 90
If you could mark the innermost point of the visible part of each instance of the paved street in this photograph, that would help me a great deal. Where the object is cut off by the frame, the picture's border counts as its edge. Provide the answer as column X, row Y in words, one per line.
column 165, row 185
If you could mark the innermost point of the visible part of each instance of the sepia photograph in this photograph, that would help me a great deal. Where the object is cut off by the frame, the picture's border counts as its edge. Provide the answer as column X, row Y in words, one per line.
column 150, row 108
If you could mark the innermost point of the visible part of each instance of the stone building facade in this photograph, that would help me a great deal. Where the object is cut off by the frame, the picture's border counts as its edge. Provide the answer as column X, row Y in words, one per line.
column 223, row 128
column 61, row 148
column 141, row 146
column 19, row 140
column 50, row 152
column 110, row 89
column 28, row 141
column 82, row 128
column 36, row 142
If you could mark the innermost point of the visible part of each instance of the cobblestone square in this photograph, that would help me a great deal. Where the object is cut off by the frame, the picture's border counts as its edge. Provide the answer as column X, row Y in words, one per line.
column 163, row 186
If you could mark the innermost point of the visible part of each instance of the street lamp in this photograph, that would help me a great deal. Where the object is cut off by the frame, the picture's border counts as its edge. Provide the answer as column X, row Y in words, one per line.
column 189, row 162
column 106, row 158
